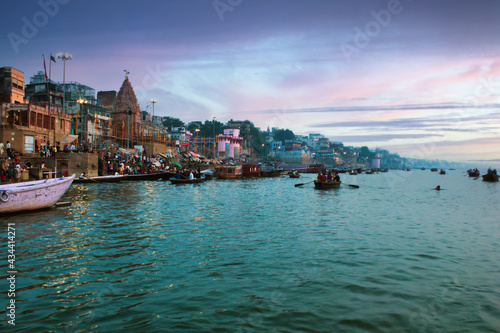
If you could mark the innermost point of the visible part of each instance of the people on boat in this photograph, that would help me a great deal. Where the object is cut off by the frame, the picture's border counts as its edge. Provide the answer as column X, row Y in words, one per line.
column 337, row 177
column 178, row 175
column 191, row 175
column 82, row 176
column 329, row 176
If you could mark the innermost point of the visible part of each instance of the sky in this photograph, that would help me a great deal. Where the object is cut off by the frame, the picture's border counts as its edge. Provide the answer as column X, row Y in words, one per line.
column 419, row 78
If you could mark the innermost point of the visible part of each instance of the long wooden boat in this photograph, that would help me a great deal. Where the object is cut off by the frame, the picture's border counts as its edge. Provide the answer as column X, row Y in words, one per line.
column 326, row 185
column 270, row 173
column 250, row 170
column 187, row 181
column 100, row 179
column 491, row 176
column 228, row 171
column 33, row 195
column 151, row 176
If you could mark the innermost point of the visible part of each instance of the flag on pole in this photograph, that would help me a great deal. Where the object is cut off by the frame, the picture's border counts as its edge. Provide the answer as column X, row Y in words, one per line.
column 52, row 58
column 45, row 67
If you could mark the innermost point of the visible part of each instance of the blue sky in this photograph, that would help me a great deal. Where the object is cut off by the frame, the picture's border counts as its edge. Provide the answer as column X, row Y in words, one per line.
column 421, row 78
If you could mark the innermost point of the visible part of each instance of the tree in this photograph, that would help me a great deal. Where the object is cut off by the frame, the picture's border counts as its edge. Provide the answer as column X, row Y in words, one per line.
column 283, row 134
column 170, row 122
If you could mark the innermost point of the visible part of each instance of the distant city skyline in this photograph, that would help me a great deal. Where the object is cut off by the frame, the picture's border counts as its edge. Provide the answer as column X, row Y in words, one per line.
column 421, row 79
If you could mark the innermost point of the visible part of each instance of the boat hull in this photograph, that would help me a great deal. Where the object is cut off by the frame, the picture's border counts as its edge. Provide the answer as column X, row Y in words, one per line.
column 33, row 195
column 151, row 176
column 490, row 178
column 187, row 181
column 326, row 185
column 100, row 179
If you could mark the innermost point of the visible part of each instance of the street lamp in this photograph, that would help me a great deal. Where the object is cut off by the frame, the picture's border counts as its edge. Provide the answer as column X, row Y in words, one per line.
column 196, row 131
column 153, row 101
column 80, row 101
column 64, row 57
column 213, row 122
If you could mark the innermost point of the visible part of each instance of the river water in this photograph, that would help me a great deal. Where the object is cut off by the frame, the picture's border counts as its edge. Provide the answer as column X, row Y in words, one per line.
column 262, row 255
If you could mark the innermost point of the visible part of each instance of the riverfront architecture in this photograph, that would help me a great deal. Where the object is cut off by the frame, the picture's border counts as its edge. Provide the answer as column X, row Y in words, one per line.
column 42, row 117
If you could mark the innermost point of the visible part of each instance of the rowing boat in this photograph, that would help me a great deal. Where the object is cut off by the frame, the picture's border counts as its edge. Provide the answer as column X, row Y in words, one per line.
column 33, row 195
column 326, row 185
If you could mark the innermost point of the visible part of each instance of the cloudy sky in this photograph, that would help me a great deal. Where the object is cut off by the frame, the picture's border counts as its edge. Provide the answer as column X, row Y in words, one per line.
column 421, row 78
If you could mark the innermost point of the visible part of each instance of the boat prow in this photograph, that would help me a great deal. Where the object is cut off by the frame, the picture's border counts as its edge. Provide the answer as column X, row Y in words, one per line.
column 33, row 195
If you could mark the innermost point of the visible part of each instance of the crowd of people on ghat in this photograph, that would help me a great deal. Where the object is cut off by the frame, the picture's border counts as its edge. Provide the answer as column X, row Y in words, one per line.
column 324, row 176
column 111, row 163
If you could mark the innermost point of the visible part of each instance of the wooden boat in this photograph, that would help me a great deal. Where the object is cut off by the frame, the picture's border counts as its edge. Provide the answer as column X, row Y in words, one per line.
column 187, row 181
column 434, row 169
column 326, row 185
column 384, row 170
column 229, row 171
column 270, row 173
column 442, row 172
column 295, row 175
column 151, row 176
column 33, row 195
column 474, row 173
column 369, row 172
column 491, row 176
column 353, row 172
column 250, row 170
column 100, row 179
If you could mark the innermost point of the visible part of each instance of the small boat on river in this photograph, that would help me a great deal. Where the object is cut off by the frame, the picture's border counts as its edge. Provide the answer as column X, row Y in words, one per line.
column 100, row 179
column 474, row 173
column 33, row 195
column 491, row 176
column 442, row 172
column 187, row 181
column 326, row 185
column 295, row 174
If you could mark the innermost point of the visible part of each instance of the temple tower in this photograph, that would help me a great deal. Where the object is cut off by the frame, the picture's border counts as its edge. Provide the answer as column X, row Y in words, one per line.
column 126, row 111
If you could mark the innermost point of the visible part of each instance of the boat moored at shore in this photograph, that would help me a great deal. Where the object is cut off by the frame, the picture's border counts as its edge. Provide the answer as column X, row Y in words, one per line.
column 33, row 195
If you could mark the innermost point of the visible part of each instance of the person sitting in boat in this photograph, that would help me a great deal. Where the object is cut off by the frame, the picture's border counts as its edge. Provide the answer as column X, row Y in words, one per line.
column 320, row 174
column 329, row 176
column 82, row 176
column 323, row 178
column 178, row 175
column 438, row 188
column 337, row 177
column 191, row 175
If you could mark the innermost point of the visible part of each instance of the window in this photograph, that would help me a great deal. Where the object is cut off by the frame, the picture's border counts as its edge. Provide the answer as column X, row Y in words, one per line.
column 28, row 144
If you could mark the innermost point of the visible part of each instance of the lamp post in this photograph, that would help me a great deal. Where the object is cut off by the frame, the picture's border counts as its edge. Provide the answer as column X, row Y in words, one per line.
column 153, row 101
column 80, row 101
column 64, row 57
column 196, row 131
column 213, row 122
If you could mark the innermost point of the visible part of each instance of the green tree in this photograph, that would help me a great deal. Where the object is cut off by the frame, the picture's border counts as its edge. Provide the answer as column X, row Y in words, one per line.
column 283, row 134
column 173, row 122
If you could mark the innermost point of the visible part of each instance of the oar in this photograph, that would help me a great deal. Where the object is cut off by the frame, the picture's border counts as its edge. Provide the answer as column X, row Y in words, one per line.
column 297, row 185
column 351, row 185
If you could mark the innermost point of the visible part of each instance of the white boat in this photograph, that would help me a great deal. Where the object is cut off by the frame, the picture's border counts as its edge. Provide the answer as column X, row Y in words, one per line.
column 33, row 195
